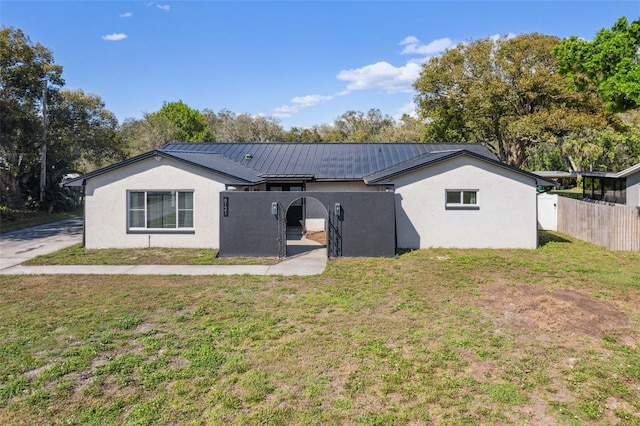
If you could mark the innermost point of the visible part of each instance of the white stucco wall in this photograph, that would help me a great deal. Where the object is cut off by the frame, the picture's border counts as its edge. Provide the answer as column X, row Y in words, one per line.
column 548, row 212
column 106, row 205
column 633, row 190
column 506, row 217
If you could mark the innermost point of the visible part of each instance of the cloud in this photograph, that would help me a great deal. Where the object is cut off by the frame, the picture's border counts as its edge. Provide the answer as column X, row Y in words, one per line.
column 409, row 40
column 127, row 15
column 381, row 76
column 408, row 108
column 164, row 7
column 298, row 103
column 413, row 46
column 497, row 37
column 114, row 37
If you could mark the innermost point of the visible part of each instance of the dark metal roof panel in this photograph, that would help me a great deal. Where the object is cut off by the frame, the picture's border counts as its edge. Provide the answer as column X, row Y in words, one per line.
column 324, row 161
column 218, row 163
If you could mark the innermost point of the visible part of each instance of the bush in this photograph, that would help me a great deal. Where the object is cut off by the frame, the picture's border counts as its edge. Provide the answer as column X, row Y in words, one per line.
column 7, row 213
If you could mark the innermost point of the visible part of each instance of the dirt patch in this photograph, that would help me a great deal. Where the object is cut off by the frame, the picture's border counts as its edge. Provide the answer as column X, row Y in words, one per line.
column 540, row 308
column 317, row 236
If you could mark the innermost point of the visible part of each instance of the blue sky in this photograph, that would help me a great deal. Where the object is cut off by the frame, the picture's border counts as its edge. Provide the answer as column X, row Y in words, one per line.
column 303, row 62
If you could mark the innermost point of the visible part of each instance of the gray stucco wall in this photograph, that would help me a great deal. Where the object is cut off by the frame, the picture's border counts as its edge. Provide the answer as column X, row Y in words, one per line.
column 248, row 228
column 633, row 190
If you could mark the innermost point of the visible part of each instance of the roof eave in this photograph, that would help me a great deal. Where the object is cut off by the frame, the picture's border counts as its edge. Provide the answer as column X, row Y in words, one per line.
column 82, row 180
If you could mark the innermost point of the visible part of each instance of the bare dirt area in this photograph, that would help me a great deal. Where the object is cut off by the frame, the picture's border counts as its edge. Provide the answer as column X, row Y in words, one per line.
column 556, row 311
column 555, row 317
column 317, row 236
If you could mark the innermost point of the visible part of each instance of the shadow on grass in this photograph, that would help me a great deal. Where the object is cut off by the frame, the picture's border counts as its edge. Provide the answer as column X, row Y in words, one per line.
column 546, row 237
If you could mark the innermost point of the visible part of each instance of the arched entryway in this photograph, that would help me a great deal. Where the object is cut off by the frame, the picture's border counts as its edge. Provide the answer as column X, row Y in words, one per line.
column 306, row 227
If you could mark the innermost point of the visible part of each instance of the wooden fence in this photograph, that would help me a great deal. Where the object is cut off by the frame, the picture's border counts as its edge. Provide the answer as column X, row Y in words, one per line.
column 614, row 226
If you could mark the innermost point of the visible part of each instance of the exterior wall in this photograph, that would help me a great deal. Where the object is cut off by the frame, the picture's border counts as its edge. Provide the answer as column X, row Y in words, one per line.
column 106, row 205
column 548, row 212
column 506, row 217
column 633, row 190
column 315, row 213
column 248, row 226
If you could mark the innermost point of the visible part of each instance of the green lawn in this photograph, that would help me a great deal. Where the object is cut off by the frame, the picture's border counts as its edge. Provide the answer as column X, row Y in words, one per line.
column 78, row 255
column 26, row 218
column 549, row 336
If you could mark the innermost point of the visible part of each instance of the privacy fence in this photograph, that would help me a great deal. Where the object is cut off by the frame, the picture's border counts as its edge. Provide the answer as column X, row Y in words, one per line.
column 613, row 226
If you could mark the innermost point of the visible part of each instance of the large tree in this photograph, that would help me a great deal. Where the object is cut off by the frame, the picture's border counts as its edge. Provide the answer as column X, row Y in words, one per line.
column 25, row 70
column 504, row 93
column 356, row 126
column 186, row 124
column 227, row 126
column 610, row 63
column 80, row 132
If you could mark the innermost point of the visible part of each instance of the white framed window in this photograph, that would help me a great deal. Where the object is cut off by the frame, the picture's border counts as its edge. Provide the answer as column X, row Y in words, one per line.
column 461, row 199
column 160, row 210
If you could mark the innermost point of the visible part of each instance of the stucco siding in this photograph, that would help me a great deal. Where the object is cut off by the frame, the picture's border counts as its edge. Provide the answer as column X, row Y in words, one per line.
column 633, row 190
column 106, row 205
column 506, row 216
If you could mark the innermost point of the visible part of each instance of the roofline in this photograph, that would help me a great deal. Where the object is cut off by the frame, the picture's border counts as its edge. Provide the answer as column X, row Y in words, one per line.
column 82, row 180
column 539, row 179
column 629, row 171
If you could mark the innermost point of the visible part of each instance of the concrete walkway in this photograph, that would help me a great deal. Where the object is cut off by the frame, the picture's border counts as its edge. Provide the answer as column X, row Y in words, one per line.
column 305, row 257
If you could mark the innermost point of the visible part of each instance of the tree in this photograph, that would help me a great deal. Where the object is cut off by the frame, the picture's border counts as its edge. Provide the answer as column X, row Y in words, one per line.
column 408, row 129
column 187, row 124
column 81, row 133
column 355, row 126
column 228, row 126
column 504, row 93
column 25, row 70
column 610, row 63
column 297, row 134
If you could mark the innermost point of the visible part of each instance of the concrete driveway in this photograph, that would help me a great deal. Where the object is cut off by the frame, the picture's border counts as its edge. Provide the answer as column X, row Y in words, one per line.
column 19, row 246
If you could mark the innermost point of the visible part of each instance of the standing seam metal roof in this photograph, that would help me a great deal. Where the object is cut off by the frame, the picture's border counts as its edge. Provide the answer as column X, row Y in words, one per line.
column 322, row 161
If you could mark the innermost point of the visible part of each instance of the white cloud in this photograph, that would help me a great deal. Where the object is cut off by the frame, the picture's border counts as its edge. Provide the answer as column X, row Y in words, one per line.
column 164, row 7
column 114, row 37
column 408, row 108
column 413, row 46
column 409, row 40
column 127, row 15
column 381, row 76
column 497, row 37
column 298, row 103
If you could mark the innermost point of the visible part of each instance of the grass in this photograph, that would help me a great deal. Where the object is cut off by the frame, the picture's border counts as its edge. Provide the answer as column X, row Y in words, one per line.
column 78, row 255
column 441, row 336
column 27, row 218
column 575, row 192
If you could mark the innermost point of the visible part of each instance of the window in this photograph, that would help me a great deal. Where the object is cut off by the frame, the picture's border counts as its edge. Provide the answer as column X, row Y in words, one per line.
column 160, row 209
column 465, row 199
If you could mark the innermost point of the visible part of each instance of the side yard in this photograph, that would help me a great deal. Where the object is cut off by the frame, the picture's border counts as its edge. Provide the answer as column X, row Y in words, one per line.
column 550, row 336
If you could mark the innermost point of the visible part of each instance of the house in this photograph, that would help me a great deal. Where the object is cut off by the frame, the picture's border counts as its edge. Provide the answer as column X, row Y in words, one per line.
column 621, row 187
column 371, row 198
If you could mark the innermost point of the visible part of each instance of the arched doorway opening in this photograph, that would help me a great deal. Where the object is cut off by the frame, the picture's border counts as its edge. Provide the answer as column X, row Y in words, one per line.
column 306, row 225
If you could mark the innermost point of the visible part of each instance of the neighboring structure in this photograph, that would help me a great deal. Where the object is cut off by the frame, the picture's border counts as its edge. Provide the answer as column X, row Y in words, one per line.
column 620, row 188
column 444, row 195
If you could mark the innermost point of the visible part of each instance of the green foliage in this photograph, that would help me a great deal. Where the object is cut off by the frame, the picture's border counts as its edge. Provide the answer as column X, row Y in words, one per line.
column 609, row 63
column 80, row 132
column 504, row 93
column 186, row 124
column 227, row 126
